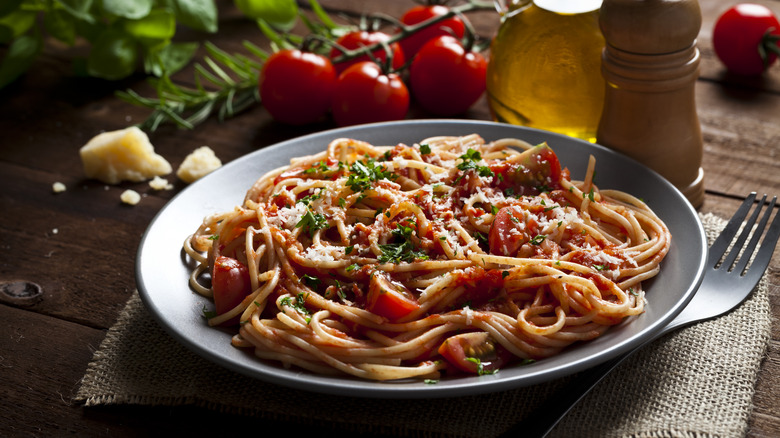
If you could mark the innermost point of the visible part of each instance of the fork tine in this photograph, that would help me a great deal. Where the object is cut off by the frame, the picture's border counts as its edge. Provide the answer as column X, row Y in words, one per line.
column 740, row 267
column 720, row 245
column 746, row 229
column 767, row 249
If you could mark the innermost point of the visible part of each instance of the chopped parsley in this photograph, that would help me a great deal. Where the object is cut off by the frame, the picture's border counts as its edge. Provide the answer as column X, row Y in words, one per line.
column 208, row 314
column 312, row 222
column 538, row 239
column 363, row 174
column 403, row 250
column 471, row 160
column 425, row 149
column 320, row 166
column 298, row 305
column 312, row 282
column 481, row 367
column 306, row 200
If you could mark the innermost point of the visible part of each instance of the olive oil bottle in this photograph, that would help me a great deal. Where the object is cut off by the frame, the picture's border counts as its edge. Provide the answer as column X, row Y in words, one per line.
column 545, row 67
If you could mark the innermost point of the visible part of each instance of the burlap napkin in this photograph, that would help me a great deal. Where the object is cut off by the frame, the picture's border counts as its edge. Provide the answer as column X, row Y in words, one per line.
column 695, row 382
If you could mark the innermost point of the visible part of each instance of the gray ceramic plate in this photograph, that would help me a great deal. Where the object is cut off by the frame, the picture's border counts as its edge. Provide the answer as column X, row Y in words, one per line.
column 162, row 272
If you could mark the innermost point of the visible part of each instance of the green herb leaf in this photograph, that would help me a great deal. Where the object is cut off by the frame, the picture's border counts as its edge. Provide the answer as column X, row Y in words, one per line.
column 403, row 251
column 113, row 56
column 19, row 58
column 128, row 9
column 538, row 239
column 156, row 27
column 364, row 173
column 279, row 13
column 197, row 14
column 311, row 222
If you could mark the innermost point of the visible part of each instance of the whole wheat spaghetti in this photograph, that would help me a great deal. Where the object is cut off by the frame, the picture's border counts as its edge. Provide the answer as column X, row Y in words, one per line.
column 450, row 255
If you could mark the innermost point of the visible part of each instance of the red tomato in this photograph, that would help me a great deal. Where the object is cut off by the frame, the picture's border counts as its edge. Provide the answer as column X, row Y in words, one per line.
column 418, row 14
column 364, row 94
column 745, row 38
column 538, row 169
column 388, row 298
column 508, row 232
column 230, row 283
column 358, row 39
column 474, row 352
column 297, row 87
column 446, row 79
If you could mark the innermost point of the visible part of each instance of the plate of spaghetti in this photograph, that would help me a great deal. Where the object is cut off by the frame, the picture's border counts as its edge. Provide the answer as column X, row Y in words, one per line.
column 421, row 259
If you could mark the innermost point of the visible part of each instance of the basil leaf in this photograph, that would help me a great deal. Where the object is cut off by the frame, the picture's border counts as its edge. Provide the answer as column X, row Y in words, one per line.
column 19, row 58
column 79, row 9
column 19, row 22
column 159, row 25
column 61, row 25
column 281, row 14
column 175, row 56
column 127, row 8
column 113, row 56
column 197, row 14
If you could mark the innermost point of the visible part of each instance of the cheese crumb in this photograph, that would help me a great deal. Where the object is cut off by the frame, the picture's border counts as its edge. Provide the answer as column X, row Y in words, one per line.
column 197, row 164
column 158, row 183
column 130, row 197
column 58, row 187
column 124, row 155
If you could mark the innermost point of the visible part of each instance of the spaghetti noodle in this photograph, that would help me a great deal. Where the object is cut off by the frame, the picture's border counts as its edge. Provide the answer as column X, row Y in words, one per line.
column 448, row 255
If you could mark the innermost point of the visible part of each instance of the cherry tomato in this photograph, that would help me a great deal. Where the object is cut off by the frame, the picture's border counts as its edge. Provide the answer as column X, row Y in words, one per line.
column 745, row 38
column 508, row 232
column 365, row 94
column 230, row 283
column 418, row 14
column 389, row 298
column 358, row 39
column 535, row 170
column 474, row 352
column 445, row 78
column 297, row 87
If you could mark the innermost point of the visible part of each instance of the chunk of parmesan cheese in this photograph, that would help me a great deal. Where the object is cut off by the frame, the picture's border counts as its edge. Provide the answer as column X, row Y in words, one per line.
column 58, row 187
column 124, row 155
column 130, row 197
column 198, row 164
column 158, row 183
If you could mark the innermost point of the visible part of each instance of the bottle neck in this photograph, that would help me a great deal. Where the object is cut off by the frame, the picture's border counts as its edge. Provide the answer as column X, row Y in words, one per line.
column 568, row 6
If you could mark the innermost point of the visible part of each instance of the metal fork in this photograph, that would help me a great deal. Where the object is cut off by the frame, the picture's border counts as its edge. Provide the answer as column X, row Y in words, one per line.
column 727, row 283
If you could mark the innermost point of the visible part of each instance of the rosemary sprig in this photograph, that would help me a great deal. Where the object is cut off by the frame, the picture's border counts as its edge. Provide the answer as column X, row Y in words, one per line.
column 233, row 88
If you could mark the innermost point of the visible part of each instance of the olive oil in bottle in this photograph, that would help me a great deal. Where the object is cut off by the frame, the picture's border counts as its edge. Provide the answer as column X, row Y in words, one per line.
column 545, row 67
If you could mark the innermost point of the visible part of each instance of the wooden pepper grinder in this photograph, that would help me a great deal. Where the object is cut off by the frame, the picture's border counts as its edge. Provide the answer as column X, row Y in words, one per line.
column 651, row 63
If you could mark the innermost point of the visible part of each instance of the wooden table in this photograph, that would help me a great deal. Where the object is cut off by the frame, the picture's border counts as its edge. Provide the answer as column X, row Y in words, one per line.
column 80, row 246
